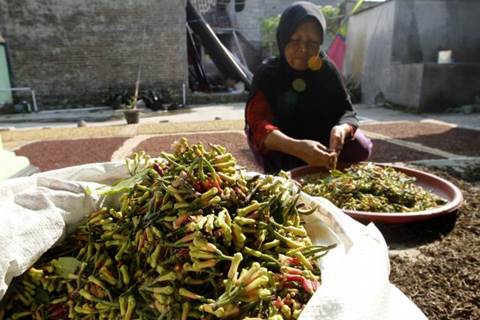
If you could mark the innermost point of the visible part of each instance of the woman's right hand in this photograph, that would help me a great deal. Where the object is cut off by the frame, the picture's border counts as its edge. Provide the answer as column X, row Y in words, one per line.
column 312, row 152
column 316, row 154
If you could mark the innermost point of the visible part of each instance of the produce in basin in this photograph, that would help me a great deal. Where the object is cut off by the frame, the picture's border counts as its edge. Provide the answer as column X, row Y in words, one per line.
column 368, row 187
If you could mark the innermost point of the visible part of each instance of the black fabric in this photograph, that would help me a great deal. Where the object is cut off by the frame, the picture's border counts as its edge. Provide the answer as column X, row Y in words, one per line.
column 307, row 114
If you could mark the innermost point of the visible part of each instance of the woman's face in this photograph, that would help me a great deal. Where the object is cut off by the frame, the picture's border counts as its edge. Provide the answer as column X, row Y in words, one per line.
column 303, row 45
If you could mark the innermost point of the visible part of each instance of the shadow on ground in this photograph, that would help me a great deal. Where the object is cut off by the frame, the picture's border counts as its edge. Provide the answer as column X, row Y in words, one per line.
column 413, row 234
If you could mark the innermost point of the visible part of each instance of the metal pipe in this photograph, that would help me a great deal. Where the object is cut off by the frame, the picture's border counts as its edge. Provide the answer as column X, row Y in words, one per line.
column 184, row 94
column 34, row 100
column 16, row 89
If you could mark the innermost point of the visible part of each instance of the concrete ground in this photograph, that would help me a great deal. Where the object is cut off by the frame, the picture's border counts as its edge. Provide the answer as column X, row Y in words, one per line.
column 105, row 116
column 439, row 139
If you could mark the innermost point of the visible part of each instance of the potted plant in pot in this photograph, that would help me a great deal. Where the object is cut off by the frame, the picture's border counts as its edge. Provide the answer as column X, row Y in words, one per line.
column 130, row 112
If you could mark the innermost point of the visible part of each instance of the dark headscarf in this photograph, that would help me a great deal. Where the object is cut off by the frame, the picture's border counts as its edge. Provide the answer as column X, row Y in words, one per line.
column 292, row 17
column 312, row 112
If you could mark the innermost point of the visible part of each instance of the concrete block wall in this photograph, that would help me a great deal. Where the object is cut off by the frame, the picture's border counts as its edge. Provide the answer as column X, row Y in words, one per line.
column 76, row 50
column 393, row 49
column 248, row 21
column 432, row 87
column 404, row 84
column 449, row 85
column 424, row 27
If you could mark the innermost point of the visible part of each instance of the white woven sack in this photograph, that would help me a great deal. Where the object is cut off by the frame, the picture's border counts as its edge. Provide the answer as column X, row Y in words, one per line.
column 37, row 211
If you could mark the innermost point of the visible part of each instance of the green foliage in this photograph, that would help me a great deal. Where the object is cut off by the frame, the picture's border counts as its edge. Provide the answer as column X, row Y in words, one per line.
column 132, row 103
column 330, row 12
column 333, row 17
column 269, row 29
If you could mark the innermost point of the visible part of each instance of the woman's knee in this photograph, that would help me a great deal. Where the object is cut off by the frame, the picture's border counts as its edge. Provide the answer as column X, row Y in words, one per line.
column 358, row 149
column 365, row 150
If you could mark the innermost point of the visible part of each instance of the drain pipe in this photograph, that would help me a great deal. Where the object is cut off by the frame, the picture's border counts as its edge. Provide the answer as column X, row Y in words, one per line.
column 184, row 94
column 34, row 99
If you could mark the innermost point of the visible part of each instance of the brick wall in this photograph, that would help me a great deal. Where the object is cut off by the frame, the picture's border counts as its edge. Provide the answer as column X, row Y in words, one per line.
column 74, row 51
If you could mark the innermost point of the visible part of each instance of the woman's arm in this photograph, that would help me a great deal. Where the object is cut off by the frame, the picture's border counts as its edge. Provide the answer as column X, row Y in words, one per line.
column 348, row 121
column 267, row 137
column 312, row 152
column 259, row 119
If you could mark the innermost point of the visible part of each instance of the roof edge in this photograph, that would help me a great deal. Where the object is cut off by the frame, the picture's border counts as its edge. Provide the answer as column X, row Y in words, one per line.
column 371, row 7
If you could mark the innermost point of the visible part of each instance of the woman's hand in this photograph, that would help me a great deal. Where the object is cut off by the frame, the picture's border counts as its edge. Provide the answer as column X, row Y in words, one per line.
column 338, row 135
column 314, row 153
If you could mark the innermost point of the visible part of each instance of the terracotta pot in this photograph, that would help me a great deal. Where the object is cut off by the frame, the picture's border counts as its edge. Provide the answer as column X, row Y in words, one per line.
column 132, row 116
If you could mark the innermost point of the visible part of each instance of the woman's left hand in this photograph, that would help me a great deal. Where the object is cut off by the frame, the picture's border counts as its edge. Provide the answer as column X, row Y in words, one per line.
column 338, row 134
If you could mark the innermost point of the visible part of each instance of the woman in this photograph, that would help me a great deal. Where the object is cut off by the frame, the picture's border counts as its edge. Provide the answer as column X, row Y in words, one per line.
column 299, row 111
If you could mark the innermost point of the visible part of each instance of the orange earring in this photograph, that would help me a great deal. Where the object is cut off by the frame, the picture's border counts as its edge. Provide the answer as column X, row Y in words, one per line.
column 315, row 63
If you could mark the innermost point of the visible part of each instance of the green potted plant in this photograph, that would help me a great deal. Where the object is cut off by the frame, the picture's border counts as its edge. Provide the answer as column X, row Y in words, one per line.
column 130, row 111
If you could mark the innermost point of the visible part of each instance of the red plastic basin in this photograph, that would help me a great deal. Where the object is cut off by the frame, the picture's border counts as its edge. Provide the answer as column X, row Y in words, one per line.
column 430, row 182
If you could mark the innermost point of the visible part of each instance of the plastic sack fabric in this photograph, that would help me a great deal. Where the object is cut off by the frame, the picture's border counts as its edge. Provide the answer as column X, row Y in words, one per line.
column 38, row 211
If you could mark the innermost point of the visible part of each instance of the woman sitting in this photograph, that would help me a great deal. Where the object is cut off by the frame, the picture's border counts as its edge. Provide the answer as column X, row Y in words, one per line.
column 299, row 111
